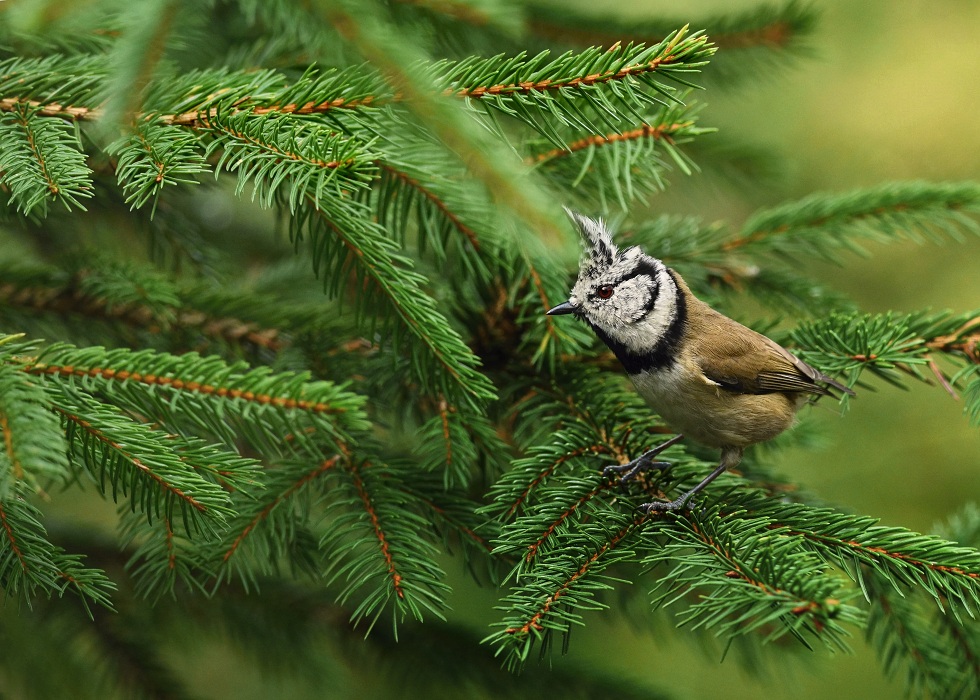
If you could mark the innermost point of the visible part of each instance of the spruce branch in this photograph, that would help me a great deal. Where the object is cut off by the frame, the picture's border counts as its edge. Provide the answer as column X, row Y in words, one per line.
column 512, row 491
column 317, row 163
column 53, row 86
column 375, row 549
column 900, row 638
column 775, row 589
column 345, row 246
column 191, row 393
column 940, row 654
column 258, row 539
column 621, row 166
column 566, row 516
column 139, row 462
column 766, row 34
column 516, row 76
column 512, row 85
column 389, row 563
column 452, row 214
column 563, row 586
column 153, row 156
column 586, row 90
column 110, row 291
column 40, row 162
column 893, row 346
column 947, row 572
column 33, row 447
column 30, row 565
column 400, row 64
column 454, row 443
column 455, row 519
column 162, row 557
column 822, row 224
column 661, row 132
column 141, row 299
column 429, row 194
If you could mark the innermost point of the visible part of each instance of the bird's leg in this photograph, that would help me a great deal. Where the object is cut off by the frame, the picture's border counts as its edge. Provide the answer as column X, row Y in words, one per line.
column 730, row 456
column 641, row 463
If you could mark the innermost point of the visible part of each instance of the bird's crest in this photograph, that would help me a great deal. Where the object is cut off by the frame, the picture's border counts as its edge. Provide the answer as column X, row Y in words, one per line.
column 600, row 249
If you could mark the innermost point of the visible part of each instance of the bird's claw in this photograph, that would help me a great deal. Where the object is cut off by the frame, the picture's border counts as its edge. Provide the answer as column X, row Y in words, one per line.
column 632, row 469
column 680, row 504
column 662, row 506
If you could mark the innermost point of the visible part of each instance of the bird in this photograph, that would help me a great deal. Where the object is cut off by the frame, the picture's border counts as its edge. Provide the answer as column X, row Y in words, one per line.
column 708, row 377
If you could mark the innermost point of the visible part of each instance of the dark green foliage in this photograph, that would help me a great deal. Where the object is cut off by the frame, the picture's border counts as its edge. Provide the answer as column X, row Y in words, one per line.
column 41, row 161
column 298, row 339
column 31, row 566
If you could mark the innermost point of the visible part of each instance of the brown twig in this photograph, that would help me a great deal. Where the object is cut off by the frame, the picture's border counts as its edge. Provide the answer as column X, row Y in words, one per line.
column 136, row 462
column 396, row 578
column 264, row 513
column 529, row 86
column 662, row 132
column 13, row 540
column 111, row 374
column 534, row 622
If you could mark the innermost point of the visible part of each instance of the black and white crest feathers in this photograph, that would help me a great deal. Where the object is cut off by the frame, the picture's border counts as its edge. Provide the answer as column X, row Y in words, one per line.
column 600, row 249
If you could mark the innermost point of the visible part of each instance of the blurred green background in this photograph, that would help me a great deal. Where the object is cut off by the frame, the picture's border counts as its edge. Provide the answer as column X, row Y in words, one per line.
column 889, row 91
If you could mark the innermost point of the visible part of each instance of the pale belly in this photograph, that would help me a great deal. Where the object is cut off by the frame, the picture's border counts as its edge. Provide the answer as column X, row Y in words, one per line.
column 711, row 415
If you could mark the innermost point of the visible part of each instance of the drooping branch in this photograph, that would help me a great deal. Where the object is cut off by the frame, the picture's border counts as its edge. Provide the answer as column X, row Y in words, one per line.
column 577, row 505
column 534, row 622
column 277, row 500
column 383, row 543
column 121, row 450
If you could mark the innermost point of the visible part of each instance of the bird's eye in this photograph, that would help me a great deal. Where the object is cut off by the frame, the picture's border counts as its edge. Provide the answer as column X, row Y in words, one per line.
column 605, row 291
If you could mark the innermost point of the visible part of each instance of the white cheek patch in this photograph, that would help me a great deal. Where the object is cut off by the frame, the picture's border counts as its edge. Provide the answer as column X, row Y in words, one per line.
column 632, row 297
column 642, row 335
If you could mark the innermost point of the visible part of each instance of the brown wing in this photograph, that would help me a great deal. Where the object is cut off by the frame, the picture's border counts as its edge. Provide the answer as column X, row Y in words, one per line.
column 740, row 360
column 810, row 372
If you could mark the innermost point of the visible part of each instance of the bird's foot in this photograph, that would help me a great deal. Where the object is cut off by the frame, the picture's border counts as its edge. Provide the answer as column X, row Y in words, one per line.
column 642, row 463
column 664, row 506
column 681, row 503
column 631, row 470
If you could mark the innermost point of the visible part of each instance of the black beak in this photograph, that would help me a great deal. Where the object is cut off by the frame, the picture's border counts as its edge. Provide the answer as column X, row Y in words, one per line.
column 563, row 308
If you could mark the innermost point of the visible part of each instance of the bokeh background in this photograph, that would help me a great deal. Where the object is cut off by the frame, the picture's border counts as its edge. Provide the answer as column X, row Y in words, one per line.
column 889, row 90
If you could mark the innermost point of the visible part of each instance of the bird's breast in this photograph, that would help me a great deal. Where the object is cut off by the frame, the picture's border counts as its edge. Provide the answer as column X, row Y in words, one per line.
column 693, row 405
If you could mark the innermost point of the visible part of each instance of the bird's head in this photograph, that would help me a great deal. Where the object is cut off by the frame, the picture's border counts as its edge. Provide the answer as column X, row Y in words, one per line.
column 627, row 296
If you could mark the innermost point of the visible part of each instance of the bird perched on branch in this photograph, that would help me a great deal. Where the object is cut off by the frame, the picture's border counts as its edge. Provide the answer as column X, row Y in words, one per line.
column 709, row 377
